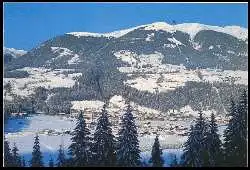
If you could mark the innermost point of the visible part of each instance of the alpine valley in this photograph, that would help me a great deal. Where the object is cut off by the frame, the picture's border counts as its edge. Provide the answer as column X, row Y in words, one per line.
column 167, row 72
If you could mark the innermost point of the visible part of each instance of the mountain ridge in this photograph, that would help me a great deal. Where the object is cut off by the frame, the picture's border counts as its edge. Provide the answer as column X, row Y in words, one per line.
column 190, row 28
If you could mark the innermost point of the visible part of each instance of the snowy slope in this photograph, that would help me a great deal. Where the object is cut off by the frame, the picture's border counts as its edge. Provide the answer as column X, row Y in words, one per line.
column 40, row 77
column 190, row 28
column 193, row 28
column 150, row 73
column 115, row 34
column 14, row 52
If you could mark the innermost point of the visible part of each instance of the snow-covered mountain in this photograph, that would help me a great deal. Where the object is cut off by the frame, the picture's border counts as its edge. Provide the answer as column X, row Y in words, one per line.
column 190, row 28
column 168, row 72
column 203, row 45
column 14, row 52
column 11, row 53
column 157, row 66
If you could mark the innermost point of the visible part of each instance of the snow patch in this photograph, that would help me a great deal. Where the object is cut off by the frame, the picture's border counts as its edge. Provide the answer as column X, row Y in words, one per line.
column 61, row 52
column 211, row 47
column 230, row 52
column 87, row 105
column 169, row 45
column 197, row 46
column 74, row 60
column 117, row 100
column 139, row 61
column 144, row 84
column 126, row 56
column 150, row 36
column 173, row 40
column 73, row 75
column 85, row 34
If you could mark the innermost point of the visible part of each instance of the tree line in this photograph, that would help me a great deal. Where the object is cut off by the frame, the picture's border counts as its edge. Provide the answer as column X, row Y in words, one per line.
column 202, row 148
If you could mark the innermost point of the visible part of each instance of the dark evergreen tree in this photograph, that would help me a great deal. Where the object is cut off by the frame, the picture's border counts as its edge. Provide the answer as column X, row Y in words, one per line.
column 229, row 137
column 32, row 107
column 201, row 129
column 20, row 107
column 16, row 159
column 7, row 154
column 235, row 141
column 195, row 152
column 104, row 142
column 156, row 154
column 61, row 160
column 213, row 144
column 51, row 162
column 79, row 150
column 189, row 153
column 128, row 152
column 242, row 130
column 23, row 162
column 36, row 160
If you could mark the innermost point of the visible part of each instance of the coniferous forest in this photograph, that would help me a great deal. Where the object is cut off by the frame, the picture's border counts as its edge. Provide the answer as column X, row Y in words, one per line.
column 203, row 148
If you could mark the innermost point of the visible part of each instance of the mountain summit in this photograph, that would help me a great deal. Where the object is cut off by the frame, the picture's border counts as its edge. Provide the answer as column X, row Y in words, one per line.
column 190, row 28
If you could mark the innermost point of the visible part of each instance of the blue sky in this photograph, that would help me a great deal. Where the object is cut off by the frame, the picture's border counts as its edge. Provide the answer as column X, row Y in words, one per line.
column 26, row 25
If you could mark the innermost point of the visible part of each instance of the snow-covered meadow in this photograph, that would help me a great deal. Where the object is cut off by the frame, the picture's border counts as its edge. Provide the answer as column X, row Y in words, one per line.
column 41, row 77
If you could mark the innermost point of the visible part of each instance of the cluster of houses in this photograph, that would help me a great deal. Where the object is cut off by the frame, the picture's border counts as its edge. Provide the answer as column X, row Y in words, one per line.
column 169, row 129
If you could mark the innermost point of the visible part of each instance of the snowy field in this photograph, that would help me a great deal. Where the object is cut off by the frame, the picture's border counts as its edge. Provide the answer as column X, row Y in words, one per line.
column 54, row 130
column 22, row 131
column 51, row 130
